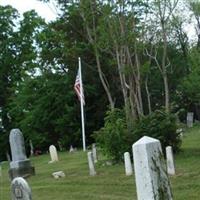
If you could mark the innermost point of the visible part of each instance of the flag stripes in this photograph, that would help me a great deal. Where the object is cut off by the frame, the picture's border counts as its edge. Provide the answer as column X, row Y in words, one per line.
column 77, row 87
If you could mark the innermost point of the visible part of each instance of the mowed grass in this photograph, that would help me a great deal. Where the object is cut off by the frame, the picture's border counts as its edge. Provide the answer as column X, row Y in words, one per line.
column 110, row 182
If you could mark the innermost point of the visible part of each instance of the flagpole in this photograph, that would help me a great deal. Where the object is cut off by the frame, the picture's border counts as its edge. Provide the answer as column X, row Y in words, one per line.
column 82, row 109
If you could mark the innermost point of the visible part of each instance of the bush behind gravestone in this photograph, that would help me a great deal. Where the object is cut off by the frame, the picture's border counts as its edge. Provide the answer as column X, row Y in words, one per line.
column 159, row 125
column 114, row 138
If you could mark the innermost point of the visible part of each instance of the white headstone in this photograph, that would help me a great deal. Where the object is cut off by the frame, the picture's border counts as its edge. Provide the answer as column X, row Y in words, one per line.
column 53, row 153
column 190, row 118
column 71, row 150
column 170, row 161
column 20, row 189
column 152, row 182
column 91, row 164
column 59, row 174
column 128, row 165
column 31, row 147
column 94, row 152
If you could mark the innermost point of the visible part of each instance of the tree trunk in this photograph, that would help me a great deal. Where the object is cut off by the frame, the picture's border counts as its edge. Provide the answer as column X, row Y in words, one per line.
column 92, row 38
column 123, row 84
column 148, row 95
column 164, row 67
column 105, row 86
column 138, row 84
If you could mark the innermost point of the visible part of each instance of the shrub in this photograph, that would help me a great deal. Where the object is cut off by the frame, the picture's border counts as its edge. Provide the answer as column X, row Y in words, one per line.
column 115, row 139
column 159, row 125
column 112, row 137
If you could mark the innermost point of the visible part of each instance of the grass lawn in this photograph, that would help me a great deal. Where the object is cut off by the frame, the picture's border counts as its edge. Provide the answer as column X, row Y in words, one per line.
column 110, row 183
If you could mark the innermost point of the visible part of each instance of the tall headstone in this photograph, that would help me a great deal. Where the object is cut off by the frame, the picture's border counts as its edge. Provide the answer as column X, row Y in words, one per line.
column 152, row 182
column 20, row 165
column 20, row 189
column 190, row 118
column 94, row 152
column 53, row 153
column 91, row 164
column 170, row 161
column 128, row 165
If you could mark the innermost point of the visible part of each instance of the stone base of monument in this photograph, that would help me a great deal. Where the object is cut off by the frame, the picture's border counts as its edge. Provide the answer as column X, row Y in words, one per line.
column 21, row 169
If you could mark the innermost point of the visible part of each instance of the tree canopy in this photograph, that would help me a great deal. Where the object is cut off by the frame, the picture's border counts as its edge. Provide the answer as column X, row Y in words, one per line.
column 136, row 56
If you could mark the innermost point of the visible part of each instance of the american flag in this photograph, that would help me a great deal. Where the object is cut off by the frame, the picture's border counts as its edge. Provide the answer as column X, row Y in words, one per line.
column 77, row 87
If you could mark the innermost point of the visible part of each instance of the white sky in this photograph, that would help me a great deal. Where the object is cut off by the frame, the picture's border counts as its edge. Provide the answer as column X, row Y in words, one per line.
column 48, row 11
column 44, row 10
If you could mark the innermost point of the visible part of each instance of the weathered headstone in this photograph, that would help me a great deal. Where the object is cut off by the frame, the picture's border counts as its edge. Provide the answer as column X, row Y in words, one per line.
column 190, row 118
column 152, row 182
column 53, row 153
column 20, row 165
column 170, row 161
column 59, row 174
column 31, row 148
column 91, row 164
column 60, row 146
column 20, row 189
column 128, row 165
column 8, row 157
column 94, row 152
column 71, row 150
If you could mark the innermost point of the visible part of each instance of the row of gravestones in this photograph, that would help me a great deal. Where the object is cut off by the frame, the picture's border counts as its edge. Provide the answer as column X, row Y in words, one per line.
column 169, row 159
column 152, row 182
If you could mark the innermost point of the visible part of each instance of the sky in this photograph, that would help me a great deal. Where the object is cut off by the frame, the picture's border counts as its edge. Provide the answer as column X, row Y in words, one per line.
column 47, row 11
column 44, row 10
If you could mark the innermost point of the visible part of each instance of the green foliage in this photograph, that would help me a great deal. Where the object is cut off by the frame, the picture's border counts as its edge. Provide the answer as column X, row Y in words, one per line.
column 190, row 84
column 115, row 139
column 17, row 56
column 159, row 125
column 112, row 138
column 44, row 110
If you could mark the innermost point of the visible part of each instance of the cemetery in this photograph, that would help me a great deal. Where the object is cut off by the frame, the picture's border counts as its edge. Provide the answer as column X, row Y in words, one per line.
column 99, row 100
column 110, row 181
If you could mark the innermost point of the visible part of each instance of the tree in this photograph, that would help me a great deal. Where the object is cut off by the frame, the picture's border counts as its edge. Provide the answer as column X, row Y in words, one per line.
column 163, row 11
column 194, row 6
column 17, row 56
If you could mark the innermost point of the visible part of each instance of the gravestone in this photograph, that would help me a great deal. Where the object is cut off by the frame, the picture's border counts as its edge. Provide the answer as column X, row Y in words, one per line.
column 170, row 161
column 20, row 189
column 59, row 174
column 60, row 146
column 8, row 157
column 31, row 148
column 94, row 152
column 152, row 182
column 71, row 150
column 53, row 153
column 190, row 118
column 20, row 165
column 91, row 164
column 128, row 165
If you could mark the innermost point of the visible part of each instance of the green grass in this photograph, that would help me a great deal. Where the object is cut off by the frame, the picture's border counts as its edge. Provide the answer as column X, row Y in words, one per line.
column 110, row 183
